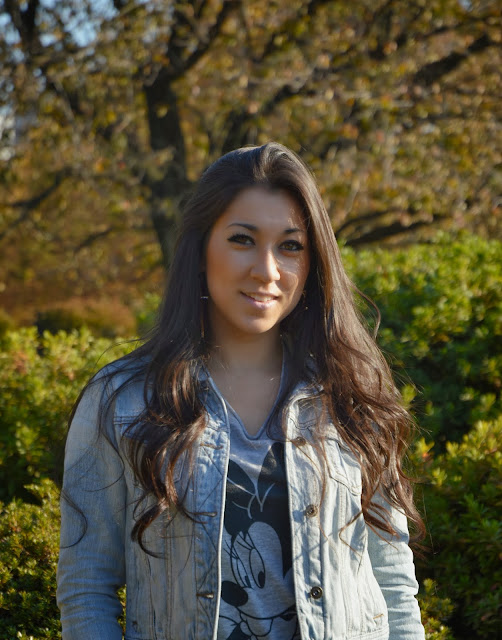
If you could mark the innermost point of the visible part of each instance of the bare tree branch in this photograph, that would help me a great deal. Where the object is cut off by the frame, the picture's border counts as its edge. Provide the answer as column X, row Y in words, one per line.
column 23, row 20
column 174, row 53
column 287, row 30
column 366, row 217
column 91, row 238
column 386, row 232
column 199, row 10
column 434, row 71
column 28, row 206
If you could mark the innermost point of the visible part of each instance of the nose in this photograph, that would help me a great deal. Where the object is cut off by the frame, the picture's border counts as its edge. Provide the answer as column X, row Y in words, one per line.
column 266, row 267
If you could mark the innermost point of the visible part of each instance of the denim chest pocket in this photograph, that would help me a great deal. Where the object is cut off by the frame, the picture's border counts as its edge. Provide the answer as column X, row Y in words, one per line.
column 343, row 465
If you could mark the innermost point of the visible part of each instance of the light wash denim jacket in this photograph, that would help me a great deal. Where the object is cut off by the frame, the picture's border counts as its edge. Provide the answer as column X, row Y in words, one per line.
column 349, row 582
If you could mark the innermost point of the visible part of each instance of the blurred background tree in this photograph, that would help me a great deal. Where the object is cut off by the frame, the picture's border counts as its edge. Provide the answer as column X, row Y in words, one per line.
column 110, row 110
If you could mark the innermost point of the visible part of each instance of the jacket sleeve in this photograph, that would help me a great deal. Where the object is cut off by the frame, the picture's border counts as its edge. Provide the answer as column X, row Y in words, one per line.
column 392, row 563
column 91, row 561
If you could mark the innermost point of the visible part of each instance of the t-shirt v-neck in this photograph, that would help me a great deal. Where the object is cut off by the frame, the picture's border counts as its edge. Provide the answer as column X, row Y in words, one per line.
column 237, row 420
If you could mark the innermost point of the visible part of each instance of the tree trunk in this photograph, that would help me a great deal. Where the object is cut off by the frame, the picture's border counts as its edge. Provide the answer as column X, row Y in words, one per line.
column 165, row 133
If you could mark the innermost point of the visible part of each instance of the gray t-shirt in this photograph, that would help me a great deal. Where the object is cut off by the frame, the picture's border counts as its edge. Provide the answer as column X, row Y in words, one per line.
column 257, row 591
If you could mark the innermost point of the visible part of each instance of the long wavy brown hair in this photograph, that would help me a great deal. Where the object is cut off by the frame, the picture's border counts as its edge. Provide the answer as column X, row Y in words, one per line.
column 330, row 338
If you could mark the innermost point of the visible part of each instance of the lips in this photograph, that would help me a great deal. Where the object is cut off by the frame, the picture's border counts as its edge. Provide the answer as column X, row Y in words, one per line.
column 260, row 297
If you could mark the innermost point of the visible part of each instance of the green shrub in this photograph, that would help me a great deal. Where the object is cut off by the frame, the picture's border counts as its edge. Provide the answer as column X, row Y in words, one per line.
column 6, row 322
column 463, row 502
column 441, row 307
column 435, row 612
column 147, row 314
column 55, row 320
column 40, row 378
column 29, row 539
column 106, row 317
column 29, row 547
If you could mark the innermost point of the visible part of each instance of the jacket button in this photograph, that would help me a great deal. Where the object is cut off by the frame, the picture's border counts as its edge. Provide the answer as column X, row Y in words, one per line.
column 311, row 511
column 316, row 592
column 300, row 441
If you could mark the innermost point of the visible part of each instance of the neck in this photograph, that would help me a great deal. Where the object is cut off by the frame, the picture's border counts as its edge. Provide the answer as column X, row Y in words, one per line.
column 254, row 353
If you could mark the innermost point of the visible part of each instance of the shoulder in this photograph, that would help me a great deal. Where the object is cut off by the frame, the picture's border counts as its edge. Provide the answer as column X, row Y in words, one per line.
column 123, row 369
column 112, row 399
column 121, row 384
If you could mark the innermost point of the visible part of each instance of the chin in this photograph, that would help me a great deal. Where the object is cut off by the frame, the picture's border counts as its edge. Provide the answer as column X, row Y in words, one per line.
column 257, row 329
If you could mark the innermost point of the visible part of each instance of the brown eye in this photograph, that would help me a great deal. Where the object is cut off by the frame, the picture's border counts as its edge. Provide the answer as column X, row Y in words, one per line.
column 241, row 238
column 292, row 245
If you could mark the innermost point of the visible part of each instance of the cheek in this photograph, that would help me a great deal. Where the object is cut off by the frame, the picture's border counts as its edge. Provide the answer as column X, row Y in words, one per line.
column 295, row 280
column 215, row 259
column 300, row 275
column 222, row 266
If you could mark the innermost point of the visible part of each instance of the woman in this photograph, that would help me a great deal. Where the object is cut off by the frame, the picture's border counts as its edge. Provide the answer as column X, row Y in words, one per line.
column 241, row 471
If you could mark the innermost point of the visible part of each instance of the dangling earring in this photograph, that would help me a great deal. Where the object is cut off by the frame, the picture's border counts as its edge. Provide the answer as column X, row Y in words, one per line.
column 202, row 324
column 304, row 300
column 203, row 286
column 203, row 297
column 202, row 331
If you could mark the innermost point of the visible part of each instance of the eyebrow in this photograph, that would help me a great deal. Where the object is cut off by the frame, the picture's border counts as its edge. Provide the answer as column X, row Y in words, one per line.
column 252, row 227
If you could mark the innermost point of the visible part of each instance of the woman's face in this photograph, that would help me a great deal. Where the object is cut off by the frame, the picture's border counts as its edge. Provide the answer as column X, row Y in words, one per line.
column 257, row 263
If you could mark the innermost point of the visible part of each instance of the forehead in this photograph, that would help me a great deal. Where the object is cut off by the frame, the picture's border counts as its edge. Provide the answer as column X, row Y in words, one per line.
column 266, row 209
